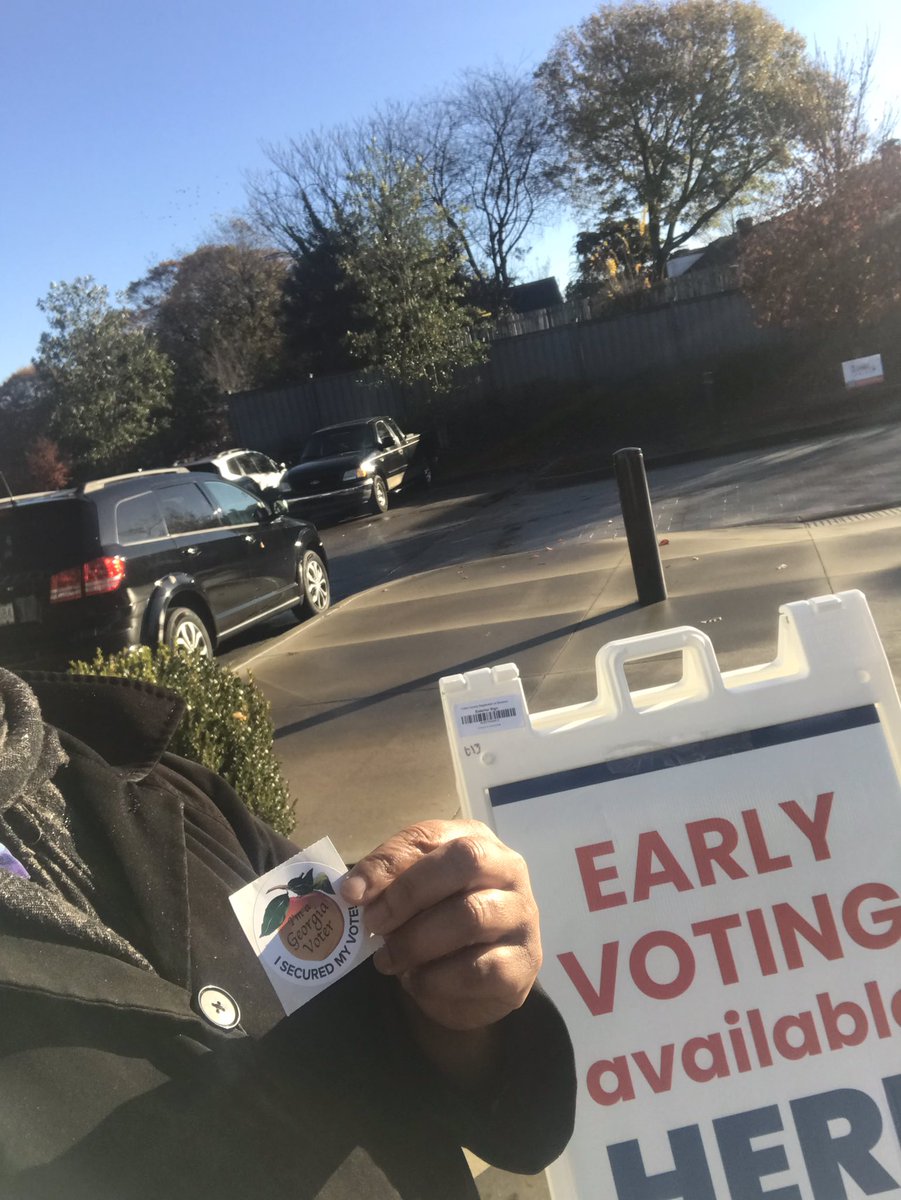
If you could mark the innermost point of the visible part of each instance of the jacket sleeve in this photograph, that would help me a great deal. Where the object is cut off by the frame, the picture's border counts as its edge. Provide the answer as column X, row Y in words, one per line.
column 523, row 1118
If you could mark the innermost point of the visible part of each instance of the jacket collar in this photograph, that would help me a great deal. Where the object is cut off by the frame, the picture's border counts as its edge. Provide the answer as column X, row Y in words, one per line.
column 127, row 722
column 114, row 732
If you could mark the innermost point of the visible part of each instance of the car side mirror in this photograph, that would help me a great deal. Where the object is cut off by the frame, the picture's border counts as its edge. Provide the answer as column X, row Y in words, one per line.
column 280, row 508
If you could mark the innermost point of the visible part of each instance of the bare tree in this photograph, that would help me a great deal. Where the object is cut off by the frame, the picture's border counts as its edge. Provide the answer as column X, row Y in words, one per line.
column 504, row 143
column 486, row 147
column 305, row 186
column 840, row 131
column 307, row 202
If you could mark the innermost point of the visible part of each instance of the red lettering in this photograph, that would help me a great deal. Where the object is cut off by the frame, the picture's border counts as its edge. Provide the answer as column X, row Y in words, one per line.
column 877, row 1008
column 705, row 854
column 662, row 1080
column 810, row 1042
column 813, row 828
column 717, row 928
column 652, row 846
column 598, row 1001
column 617, row 1067
column 739, row 1046
column 685, row 965
column 763, row 861
column 758, row 1037
column 831, row 1014
column 718, row 1067
column 890, row 917
column 593, row 876
column 762, row 944
column 790, row 923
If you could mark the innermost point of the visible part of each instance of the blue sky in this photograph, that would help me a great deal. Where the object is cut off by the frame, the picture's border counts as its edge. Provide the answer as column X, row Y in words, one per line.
column 127, row 128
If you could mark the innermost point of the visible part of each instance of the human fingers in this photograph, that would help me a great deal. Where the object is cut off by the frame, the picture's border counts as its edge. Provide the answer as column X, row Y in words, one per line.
column 484, row 917
column 475, row 987
column 425, row 864
column 373, row 873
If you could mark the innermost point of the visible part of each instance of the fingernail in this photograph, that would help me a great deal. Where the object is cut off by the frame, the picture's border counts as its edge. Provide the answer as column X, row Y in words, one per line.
column 353, row 889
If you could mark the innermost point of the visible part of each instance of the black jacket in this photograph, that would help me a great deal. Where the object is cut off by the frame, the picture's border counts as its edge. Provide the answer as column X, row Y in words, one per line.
column 113, row 1086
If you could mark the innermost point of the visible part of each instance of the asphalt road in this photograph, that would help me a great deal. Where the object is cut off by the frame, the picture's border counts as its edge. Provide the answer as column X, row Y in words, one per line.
column 808, row 480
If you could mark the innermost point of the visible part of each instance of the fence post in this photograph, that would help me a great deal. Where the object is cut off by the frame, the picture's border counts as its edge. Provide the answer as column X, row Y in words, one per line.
column 635, row 500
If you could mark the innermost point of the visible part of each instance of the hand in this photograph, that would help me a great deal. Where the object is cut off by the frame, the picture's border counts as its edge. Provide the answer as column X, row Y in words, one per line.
column 460, row 924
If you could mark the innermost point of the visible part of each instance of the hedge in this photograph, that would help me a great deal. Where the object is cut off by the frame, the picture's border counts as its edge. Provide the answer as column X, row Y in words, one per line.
column 227, row 724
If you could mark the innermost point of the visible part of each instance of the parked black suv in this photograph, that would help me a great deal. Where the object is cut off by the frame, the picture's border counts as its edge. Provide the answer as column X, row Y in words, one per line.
column 172, row 557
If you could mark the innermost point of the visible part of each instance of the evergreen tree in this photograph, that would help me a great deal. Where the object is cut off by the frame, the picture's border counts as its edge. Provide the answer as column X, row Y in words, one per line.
column 105, row 384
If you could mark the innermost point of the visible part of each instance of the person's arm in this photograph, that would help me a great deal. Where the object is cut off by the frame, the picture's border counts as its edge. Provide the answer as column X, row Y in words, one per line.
column 462, row 933
column 460, row 924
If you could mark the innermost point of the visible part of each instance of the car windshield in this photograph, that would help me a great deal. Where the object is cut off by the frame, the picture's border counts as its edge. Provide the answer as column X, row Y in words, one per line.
column 354, row 439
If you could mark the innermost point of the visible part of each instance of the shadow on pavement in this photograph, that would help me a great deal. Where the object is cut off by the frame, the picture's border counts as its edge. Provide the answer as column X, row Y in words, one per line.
column 499, row 654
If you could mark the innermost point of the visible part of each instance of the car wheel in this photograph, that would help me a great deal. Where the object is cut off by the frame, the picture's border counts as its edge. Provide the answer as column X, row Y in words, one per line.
column 379, row 499
column 185, row 631
column 313, row 585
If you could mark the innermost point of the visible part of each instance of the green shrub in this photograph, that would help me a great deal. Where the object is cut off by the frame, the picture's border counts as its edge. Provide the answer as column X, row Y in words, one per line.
column 226, row 727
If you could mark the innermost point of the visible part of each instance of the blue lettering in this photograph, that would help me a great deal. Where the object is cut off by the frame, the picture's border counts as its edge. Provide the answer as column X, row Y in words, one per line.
column 825, row 1155
column 745, row 1166
column 690, row 1179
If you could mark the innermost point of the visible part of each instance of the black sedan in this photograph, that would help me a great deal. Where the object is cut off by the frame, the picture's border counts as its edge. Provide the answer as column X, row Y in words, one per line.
column 354, row 467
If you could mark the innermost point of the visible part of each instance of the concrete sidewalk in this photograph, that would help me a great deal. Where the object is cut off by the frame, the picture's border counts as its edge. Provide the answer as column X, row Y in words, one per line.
column 354, row 695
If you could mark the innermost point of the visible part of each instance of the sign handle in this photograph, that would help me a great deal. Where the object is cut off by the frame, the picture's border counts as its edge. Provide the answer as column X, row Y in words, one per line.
column 701, row 678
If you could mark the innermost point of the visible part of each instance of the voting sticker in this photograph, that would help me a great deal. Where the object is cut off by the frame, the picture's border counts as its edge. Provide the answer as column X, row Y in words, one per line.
column 303, row 932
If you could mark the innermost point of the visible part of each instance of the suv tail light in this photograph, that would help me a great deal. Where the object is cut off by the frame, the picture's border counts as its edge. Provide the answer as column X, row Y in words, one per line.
column 91, row 579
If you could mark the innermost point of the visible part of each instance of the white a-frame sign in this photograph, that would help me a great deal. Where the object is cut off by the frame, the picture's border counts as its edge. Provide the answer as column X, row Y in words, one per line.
column 718, row 867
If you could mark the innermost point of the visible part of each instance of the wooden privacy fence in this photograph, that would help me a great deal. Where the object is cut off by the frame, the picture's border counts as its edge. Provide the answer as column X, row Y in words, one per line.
column 606, row 350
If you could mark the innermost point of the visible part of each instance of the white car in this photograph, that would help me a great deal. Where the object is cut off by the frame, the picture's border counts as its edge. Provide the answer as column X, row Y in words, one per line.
column 239, row 466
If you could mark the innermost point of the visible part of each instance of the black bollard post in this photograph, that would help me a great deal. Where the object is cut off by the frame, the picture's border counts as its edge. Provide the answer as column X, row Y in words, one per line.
column 638, row 516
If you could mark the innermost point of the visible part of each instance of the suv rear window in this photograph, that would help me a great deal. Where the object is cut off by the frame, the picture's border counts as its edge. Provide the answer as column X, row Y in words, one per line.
column 138, row 519
column 45, row 535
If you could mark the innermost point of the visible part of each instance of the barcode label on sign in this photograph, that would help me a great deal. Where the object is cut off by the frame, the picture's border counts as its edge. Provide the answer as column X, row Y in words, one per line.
column 489, row 715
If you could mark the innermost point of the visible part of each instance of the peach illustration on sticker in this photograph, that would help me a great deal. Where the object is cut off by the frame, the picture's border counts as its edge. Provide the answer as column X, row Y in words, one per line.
column 308, row 920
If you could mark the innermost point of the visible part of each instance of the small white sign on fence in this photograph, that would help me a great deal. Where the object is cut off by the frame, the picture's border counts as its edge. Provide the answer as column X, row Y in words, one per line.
column 718, row 867
column 859, row 372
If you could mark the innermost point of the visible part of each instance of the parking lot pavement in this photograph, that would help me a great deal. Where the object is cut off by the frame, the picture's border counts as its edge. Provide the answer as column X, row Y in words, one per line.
column 359, row 729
